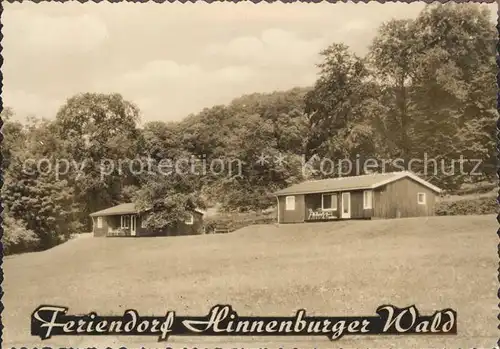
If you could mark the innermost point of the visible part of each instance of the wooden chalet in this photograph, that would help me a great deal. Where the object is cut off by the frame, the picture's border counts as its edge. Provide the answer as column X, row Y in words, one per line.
column 381, row 195
column 126, row 220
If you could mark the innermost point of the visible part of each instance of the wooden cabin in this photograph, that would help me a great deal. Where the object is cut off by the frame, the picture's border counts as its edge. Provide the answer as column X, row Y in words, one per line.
column 126, row 220
column 381, row 195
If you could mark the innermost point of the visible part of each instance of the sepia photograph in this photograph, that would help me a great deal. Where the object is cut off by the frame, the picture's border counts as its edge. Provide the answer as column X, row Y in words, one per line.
column 249, row 175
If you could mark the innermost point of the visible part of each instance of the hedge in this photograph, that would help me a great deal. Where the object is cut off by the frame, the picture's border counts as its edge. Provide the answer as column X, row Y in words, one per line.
column 485, row 205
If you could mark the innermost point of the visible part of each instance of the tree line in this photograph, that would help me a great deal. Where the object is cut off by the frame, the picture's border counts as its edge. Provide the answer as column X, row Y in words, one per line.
column 426, row 86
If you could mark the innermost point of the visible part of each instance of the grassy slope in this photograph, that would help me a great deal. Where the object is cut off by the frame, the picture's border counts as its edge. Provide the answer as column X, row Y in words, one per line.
column 327, row 268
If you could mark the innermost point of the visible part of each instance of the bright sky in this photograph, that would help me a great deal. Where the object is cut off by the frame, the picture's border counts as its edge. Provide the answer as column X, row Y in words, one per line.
column 174, row 59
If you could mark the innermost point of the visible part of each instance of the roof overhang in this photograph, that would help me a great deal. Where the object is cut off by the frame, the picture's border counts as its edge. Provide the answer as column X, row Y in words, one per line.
column 322, row 191
column 97, row 214
column 119, row 213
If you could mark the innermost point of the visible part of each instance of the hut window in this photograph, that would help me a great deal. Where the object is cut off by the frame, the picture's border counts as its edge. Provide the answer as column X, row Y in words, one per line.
column 99, row 222
column 290, row 203
column 421, row 198
column 189, row 220
column 367, row 199
column 125, row 221
column 329, row 202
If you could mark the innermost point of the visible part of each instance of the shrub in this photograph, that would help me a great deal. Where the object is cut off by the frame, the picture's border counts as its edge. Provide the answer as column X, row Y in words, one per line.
column 16, row 238
column 484, row 205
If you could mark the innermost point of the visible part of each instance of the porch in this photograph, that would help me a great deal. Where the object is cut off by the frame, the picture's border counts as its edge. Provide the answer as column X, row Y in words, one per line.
column 333, row 205
column 121, row 225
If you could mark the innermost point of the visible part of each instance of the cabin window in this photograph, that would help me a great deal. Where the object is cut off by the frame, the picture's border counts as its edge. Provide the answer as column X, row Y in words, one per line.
column 421, row 198
column 189, row 220
column 367, row 199
column 290, row 203
column 329, row 202
column 99, row 222
column 125, row 222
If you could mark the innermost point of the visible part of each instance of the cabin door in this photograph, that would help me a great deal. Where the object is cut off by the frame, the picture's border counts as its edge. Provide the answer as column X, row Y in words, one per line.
column 346, row 205
column 133, row 225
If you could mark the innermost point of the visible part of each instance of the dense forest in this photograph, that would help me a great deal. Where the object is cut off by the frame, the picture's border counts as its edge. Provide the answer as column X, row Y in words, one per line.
column 426, row 86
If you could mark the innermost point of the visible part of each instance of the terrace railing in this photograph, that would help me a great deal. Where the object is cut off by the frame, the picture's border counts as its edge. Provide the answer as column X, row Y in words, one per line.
column 321, row 214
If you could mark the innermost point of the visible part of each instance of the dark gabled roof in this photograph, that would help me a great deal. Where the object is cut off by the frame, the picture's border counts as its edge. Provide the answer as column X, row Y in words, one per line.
column 369, row 181
column 128, row 208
